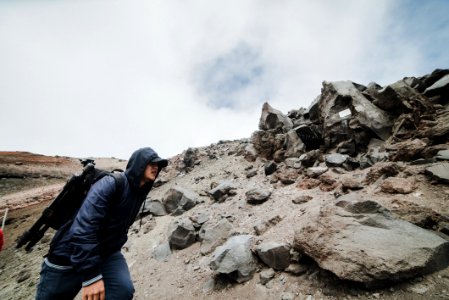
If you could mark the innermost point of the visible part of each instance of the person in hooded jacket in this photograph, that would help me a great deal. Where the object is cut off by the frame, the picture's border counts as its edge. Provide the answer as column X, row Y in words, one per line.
column 86, row 253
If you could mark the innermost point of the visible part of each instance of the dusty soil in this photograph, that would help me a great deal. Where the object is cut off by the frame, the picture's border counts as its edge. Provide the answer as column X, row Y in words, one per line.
column 186, row 273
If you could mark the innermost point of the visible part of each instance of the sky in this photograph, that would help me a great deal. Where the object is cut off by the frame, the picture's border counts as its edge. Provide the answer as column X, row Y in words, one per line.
column 103, row 78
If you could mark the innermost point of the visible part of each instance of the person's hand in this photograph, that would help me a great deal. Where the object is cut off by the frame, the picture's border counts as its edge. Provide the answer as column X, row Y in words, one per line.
column 95, row 291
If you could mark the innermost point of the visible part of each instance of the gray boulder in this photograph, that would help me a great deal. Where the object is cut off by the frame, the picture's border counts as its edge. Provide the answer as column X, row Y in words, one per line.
column 155, row 207
column 177, row 200
column 213, row 235
column 162, row 251
column 274, row 255
column 341, row 101
column 235, row 258
column 274, row 119
column 257, row 196
column 181, row 234
column 335, row 159
column 294, row 146
column 361, row 241
column 221, row 192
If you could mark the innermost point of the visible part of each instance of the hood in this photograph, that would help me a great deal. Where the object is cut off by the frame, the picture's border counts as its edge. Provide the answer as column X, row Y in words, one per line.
column 138, row 162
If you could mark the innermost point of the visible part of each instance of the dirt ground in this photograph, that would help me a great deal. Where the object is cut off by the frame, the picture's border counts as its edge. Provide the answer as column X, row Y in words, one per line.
column 186, row 274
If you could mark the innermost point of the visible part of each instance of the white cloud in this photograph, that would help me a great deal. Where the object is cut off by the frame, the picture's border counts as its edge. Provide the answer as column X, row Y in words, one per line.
column 101, row 78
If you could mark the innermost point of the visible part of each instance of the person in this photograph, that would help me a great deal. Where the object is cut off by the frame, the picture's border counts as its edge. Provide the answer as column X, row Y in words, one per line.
column 85, row 254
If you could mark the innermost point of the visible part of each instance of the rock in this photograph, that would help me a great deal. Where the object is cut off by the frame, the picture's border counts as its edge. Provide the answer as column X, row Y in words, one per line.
column 190, row 157
column 302, row 199
column 262, row 226
column 363, row 242
column 375, row 153
column 221, row 192
column 296, row 269
column 235, row 258
column 181, row 234
column 156, row 208
column 366, row 119
column 257, row 196
column 177, row 200
column 443, row 155
column 395, row 185
column 287, row 296
column 250, row 153
column 267, row 142
column 439, row 171
column 314, row 172
column 293, row 144
column 385, row 169
column 273, row 119
column 199, row 218
column 335, row 159
column 439, row 89
column 162, row 251
column 213, row 235
column 274, row 255
column 266, row 275
column 270, row 168
column 309, row 159
column 407, row 150
column 351, row 183
column 23, row 275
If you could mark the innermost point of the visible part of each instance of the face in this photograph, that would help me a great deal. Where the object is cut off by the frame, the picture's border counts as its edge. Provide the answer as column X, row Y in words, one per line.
column 150, row 172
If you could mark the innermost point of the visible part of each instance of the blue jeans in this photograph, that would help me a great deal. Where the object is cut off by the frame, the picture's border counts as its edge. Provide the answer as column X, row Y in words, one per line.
column 65, row 284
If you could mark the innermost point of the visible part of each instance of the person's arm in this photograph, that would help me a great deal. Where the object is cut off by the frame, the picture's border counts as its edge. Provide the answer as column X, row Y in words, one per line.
column 86, row 255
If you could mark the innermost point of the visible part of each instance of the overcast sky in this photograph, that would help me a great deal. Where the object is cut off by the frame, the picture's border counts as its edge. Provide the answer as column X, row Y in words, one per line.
column 103, row 77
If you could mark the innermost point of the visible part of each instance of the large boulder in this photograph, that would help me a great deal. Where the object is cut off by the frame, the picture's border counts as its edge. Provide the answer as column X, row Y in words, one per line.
column 212, row 235
column 361, row 241
column 235, row 258
column 346, row 114
column 274, row 119
column 177, row 200
column 293, row 144
column 181, row 234
column 275, row 255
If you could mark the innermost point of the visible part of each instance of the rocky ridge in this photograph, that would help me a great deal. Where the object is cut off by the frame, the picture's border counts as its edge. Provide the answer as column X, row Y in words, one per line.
column 345, row 199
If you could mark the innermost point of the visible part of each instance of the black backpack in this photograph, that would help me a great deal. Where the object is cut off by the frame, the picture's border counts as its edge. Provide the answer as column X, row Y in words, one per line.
column 65, row 206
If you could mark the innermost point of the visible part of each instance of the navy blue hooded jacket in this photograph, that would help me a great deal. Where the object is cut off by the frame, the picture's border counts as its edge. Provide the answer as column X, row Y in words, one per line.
column 101, row 225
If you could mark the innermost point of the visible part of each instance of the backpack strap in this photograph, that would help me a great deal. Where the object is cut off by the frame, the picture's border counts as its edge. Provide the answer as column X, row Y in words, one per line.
column 119, row 179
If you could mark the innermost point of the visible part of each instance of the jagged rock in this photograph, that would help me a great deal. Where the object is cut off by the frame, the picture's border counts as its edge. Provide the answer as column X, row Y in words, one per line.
column 270, row 168
column 274, row 119
column 439, row 90
column 296, row 269
column 213, row 235
column 428, row 80
column 302, row 199
column 162, row 251
column 314, row 172
column 199, row 219
column 262, row 226
column 443, row 155
column 386, row 169
column 293, row 163
column 308, row 159
column 267, row 142
column 366, row 119
column 177, row 200
column 274, row 255
column 375, row 153
column 439, row 171
column 395, row 185
column 155, row 207
column 335, row 159
column 235, row 258
column 293, row 144
column 266, row 275
column 363, row 242
column 257, row 196
column 250, row 153
column 407, row 150
column 221, row 192
column 181, row 234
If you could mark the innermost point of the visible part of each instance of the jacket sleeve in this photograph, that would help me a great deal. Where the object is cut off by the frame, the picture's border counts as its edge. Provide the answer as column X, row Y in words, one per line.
column 86, row 253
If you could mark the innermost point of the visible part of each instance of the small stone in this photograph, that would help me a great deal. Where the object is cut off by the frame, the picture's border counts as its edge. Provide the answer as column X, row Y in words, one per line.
column 376, row 295
column 266, row 275
column 287, row 296
column 302, row 199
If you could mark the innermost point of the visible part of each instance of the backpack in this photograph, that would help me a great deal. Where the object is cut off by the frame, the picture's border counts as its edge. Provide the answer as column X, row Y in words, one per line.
column 65, row 206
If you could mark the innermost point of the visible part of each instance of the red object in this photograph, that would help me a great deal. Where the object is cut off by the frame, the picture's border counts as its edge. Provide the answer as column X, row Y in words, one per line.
column 1, row 239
